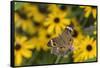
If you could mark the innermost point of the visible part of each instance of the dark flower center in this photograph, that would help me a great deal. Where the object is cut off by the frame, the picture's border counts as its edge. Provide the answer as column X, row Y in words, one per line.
column 36, row 34
column 37, row 24
column 89, row 47
column 22, row 14
column 17, row 47
column 75, row 33
column 63, row 7
column 48, row 35
column 43, row 10
column 57, row 20
column 54, row 43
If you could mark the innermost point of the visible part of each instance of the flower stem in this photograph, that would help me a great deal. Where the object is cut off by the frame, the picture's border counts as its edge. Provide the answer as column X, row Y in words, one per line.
column 58, row 59
column 84, row 23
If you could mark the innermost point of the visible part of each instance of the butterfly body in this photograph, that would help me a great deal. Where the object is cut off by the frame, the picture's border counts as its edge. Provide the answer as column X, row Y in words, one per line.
column 62, row 44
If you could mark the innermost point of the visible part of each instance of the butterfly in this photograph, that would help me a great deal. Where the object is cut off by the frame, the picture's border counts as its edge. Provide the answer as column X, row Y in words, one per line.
column 63, row 43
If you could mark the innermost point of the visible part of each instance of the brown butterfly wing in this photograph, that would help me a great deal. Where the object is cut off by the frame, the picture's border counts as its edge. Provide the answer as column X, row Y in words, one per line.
column 62, row 43
column 66, row 37
column 58, row 41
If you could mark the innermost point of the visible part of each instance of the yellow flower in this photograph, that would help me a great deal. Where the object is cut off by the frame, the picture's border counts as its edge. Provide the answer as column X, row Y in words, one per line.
column 22, row 48
column 76, row 42
column 53, row 8
column 76, row 34
column 77, row 31
column 85, row 50
column 41, row 39
column 32, row 11
column 43, row 34
column 56, row 22
column 90, row 10
column 76, row 24
column 16, row 17
column 25, row 24
column 58, row 8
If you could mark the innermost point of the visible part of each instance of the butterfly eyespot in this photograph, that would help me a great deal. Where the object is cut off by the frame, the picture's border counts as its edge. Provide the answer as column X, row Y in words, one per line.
column 54, row 44
column 61, row 47
column 62, row 42
column 49, row 44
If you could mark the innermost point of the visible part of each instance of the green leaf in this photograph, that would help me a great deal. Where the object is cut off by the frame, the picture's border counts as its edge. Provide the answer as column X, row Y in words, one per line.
column 67, row 59
column 18, row 5
column 92, row 59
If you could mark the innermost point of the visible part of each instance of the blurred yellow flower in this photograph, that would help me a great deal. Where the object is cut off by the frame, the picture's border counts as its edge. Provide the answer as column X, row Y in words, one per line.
column 22, row 48
column 33, row 12
column 85, row 50
column 53, row 8
column 77, row 31
column 25, row 24
column 76, row 24
column 16, row 17
column 76, row 43
column 43, row 34
column 76, row 34
column 90, row 10
column 40, row 41
column 56, row 22
column 58, row 8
